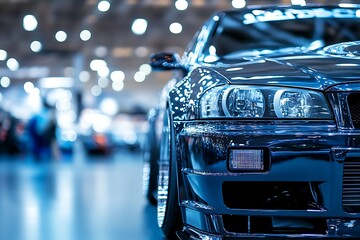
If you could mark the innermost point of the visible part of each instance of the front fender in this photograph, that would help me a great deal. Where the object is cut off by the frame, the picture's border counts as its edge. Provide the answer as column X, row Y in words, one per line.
column 185, row 95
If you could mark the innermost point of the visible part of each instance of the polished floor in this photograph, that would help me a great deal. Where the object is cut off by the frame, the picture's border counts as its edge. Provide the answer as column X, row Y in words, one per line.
column 79, row 196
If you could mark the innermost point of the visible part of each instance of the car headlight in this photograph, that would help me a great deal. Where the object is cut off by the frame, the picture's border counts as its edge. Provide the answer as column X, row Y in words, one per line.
column 236, row 102
column 292, row 104
column 231, row 101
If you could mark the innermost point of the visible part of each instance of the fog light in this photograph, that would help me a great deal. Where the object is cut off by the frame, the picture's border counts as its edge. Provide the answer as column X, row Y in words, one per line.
column 246, row 159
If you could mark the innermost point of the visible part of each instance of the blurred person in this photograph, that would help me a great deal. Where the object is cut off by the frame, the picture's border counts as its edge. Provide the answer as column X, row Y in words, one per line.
column 3, row 131
column 8, row 133
column 12, row 144
column 42, row 132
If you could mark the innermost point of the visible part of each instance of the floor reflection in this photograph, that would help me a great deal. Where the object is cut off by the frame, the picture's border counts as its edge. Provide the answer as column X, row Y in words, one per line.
column 80, row 197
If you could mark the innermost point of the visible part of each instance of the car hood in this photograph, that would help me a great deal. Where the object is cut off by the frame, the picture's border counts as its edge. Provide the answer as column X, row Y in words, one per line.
column 316, row 70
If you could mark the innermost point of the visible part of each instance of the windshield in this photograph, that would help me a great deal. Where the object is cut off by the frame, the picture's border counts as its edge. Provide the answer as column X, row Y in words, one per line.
column 255, row 33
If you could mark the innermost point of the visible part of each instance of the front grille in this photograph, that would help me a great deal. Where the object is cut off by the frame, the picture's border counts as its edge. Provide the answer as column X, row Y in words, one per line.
column 354, row 107
column 272, row 195
column 351, row 185
column 274, row 225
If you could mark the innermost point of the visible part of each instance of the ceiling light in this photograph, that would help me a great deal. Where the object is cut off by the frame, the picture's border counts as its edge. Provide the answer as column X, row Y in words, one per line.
column 85, row 35
column 96, row 90
column 96, row 64
column 5, row 82
column 175, row 28
column 12, row 64
column 60, row 36
column 103, row 71
column 118, row 86
column 139, row 26
column 139, row 76
column 30, row 23
column 103, row 6
column 28, row 87
column 117, row 76
column 56, row 82
column 3, row 55
column 103, row 82
column 36, row 46
column 181, row 5
column 238, row 3
column 145, row 68
column 84, row 76
column 298, row 2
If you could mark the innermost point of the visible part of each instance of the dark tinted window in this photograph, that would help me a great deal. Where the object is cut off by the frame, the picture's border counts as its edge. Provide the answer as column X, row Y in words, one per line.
column 236, row 35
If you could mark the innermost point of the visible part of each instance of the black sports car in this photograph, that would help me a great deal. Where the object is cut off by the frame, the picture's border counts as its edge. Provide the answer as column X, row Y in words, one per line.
column 259, row 130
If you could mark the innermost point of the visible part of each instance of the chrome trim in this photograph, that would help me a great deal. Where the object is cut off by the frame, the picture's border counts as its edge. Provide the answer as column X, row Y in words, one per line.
column 194, row 204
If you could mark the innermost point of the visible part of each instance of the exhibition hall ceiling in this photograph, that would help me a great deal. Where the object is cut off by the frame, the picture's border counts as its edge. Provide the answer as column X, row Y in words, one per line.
column 111, row 36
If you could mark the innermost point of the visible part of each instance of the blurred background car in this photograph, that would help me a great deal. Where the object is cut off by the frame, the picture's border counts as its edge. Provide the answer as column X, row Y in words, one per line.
column 102, row 133
column 95, row 131
column 129, row 130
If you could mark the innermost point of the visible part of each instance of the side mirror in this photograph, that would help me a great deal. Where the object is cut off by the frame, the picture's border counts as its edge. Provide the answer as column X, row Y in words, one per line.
column 165, row 61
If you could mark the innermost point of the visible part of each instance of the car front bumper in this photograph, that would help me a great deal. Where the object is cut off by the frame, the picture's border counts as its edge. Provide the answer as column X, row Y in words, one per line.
column 311, row 187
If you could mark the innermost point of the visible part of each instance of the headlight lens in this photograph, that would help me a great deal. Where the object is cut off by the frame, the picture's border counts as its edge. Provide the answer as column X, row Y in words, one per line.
column 292, row 104
column 247, row 103
column 231, row 101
